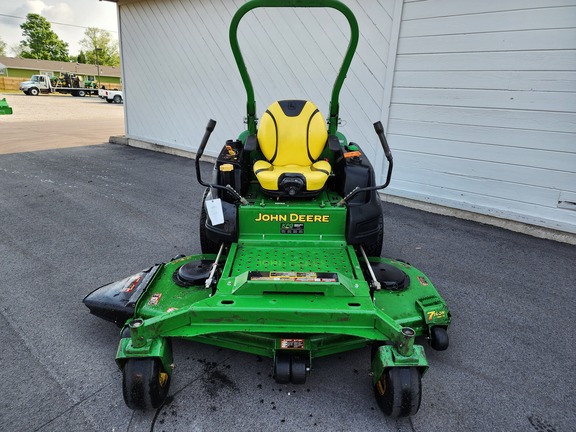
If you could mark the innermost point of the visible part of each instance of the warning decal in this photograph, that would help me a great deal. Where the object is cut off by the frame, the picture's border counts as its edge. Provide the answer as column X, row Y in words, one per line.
column 293, row 276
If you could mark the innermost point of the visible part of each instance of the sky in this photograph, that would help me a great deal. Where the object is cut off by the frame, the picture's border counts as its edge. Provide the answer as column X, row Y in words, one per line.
column 69, row 19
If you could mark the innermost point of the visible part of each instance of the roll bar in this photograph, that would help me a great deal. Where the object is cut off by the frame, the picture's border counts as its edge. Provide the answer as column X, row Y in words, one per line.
column 333, row 4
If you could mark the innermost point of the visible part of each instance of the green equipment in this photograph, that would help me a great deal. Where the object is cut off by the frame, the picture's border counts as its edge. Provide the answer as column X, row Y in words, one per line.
column 291, row 232
column 4, row 107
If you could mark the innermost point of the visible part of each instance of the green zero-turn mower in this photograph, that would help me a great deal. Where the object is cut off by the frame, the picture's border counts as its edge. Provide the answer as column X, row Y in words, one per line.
column 291, row 233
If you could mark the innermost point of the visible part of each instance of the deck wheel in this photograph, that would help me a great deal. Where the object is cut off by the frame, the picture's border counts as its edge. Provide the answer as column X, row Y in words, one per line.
column 438, row 338
column 282, row 368
column 399, row 391
column 298, row 369
column 145, row 384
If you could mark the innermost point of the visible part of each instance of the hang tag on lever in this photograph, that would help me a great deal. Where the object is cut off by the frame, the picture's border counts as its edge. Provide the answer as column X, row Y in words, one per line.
column 215, row 212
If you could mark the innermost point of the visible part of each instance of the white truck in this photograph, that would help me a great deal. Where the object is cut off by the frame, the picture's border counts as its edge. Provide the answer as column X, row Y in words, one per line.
column 115, row 96
column 73, row 84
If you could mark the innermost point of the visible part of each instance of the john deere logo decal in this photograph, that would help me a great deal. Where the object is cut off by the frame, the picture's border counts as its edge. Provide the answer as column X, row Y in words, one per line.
column 292, row 217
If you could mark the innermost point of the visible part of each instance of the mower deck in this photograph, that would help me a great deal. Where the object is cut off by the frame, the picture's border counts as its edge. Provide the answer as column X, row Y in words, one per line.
column 266, row 292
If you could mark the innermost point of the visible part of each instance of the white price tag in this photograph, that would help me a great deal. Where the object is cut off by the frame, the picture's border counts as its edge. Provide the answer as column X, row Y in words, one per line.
column 215, row 213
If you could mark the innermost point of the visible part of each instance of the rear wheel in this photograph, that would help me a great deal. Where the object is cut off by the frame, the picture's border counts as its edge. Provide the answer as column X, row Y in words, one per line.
column 145, row 384
column 206, row 245
column 109, row 100
column 399, row 391
column 374, row 247
column 81, row 93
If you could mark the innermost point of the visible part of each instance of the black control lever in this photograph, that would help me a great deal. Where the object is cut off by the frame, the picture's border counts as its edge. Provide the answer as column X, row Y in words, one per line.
column 380, row 132
column 209, row 128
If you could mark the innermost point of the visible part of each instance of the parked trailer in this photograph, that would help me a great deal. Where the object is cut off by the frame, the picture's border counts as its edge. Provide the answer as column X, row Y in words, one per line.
column 42, row 84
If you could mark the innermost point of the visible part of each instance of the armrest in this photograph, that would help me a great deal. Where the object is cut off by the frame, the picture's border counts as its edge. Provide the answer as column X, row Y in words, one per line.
column 334, row 144
column 251, row 143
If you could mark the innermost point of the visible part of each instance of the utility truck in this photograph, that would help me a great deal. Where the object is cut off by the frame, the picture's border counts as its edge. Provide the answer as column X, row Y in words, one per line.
column 67, row 83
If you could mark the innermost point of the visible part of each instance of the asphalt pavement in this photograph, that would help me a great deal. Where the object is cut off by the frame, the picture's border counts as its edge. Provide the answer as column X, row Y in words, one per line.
column 74, row 219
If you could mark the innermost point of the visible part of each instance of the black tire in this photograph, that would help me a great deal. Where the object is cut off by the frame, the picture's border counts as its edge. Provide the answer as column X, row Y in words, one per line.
column 109, row 100
column 33, row 91
column 117, row 99
column 206, row 245
column 81, row 93
column 399, row 391
column 439, row 338
column 298, row 369
column 282, row 368
column 145, row 384
column 374, row 248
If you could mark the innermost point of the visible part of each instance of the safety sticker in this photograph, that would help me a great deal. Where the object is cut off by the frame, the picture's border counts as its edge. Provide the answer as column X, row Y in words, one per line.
column 423, row 281
column 293, row 276
column 131, row 283
column 155, row 299
column 172, row 309
column 292, row 344
column 292, row 228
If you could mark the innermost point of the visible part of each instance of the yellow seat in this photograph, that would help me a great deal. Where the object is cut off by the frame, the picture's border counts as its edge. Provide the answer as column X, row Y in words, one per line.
column 291, row 136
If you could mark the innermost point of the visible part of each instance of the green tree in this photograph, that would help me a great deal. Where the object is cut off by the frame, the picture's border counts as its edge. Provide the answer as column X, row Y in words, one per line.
column 100, row 40
column 40, row 41
column 81, row 57
column 2, row 47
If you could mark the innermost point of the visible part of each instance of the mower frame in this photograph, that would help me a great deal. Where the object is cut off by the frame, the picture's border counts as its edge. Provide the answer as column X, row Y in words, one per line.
column 287, row 279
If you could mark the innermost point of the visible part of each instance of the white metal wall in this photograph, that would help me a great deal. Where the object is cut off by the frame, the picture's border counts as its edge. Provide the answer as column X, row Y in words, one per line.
column 480, row 109
column 483, row 109
column 179, row 70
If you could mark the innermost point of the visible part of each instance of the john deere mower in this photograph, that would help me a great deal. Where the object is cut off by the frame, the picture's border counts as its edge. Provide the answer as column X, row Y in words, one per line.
column 291, row 233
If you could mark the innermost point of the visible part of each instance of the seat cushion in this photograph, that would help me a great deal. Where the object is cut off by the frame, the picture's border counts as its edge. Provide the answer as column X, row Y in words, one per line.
column 292, row 132
column 292, row 135
column 315, row 175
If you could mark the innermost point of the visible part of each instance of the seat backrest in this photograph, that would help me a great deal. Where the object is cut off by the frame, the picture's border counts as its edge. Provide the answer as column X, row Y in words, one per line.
column 292, row 132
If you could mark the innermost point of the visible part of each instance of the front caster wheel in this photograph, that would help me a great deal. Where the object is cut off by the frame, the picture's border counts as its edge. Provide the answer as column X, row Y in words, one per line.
column 438, row 338
column 399, row 391
column 145, row 384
